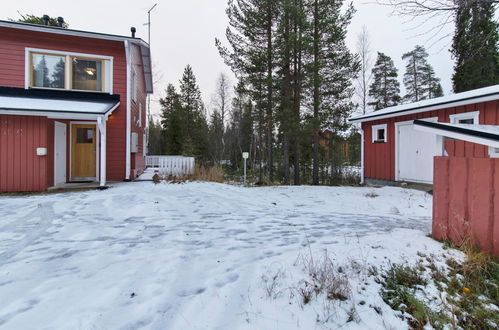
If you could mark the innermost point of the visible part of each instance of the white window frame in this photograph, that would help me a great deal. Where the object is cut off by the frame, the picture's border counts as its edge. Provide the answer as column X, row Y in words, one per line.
column 375, row 129
column 107, row 74
column 134, row 85
column 493, row 152
column 475, row 115
column 140, row 115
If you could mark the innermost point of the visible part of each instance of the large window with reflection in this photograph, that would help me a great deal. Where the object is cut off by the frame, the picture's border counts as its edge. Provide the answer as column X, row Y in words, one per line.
column 69, row 71
column 86, row 74
column 48, row 71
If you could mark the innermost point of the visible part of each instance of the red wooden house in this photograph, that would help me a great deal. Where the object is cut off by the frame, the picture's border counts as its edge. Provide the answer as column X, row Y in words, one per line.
column 72, row 106
column 393, row 150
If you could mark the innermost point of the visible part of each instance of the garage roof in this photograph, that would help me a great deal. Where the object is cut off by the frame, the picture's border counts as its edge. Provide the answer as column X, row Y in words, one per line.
column 483, row 134
column 56, row 104
column 475, row 96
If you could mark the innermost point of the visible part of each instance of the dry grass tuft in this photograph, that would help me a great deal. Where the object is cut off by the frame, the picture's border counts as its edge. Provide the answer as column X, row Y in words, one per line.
column 208, row 174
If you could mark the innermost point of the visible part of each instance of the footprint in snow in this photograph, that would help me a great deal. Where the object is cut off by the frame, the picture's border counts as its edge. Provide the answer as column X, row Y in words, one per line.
column 190, row 292
column 231, row 278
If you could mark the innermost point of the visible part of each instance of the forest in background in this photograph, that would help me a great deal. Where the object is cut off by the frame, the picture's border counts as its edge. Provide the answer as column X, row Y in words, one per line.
column 297, row 83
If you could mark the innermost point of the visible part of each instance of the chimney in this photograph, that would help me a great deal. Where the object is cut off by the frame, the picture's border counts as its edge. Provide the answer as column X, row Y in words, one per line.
column 60, row 21
column 46, row 20
column 133, row 31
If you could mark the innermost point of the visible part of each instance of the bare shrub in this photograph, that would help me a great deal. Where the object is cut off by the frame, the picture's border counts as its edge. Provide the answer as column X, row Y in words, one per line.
column 272, row 282
column 324, row 279
column 209, row 174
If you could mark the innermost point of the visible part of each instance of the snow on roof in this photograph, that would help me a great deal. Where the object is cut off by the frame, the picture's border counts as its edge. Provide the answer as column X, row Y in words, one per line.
column 483, row 134
column 473, row 96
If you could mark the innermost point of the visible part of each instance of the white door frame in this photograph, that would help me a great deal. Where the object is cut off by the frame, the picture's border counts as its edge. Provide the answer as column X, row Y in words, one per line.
column 97, row 146
column 61, row 125
column 397, row 143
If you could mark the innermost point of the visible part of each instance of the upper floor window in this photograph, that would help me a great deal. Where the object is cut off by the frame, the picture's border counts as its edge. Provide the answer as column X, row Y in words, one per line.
column 48, row 70
column 465, row 118
column 87, row 74
column 80, row 72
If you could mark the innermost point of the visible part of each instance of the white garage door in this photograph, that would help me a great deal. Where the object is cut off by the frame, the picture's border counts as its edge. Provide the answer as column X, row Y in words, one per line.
column 415, row 153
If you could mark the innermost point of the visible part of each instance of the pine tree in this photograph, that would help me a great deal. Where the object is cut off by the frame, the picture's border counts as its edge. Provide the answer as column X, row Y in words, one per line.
column 414, row 74
column 251, row 57
column 431, row 83
column 216, row 136
column 196, row 139
column 331, row 70
column 173, row 120
column 475, row 46
column 385, row 88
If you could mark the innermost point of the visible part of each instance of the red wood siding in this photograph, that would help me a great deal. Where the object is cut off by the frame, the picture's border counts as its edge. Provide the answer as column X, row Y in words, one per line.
column 466, row 191
column 12, row 73
column 379, row 158
column 20, row 168
column 138, row 159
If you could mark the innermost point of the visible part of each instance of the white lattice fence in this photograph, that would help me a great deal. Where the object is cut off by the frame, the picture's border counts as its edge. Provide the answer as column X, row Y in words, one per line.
column 172, row 165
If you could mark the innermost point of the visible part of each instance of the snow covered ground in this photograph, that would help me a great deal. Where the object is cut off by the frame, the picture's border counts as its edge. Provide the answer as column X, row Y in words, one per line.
column 196, row 255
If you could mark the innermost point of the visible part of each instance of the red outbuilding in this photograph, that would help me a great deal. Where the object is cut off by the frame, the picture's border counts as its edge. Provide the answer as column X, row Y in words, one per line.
column 393, row 150
column 466, row 186
column 451, row 142
column 72, row 106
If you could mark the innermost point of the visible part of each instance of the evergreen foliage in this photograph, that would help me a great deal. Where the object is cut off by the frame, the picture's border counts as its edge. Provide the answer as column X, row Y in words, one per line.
column 33, row 19
column 385, row 88
column 419, row 79
column 475, row 46
column 183, row 119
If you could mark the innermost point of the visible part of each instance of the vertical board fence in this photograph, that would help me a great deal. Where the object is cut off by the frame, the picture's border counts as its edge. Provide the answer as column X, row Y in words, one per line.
column 172, row 165
column 466, row 201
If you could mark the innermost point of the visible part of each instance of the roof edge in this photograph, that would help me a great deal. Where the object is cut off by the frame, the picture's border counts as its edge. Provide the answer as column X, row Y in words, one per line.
column 71, row 32
column 464, row 100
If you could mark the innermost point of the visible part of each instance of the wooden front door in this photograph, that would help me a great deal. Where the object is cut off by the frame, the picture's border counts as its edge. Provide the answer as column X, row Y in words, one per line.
column 83, row 152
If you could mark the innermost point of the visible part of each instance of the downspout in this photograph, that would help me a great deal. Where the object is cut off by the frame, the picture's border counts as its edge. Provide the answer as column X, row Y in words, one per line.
column 362, row 181
column 128, row 109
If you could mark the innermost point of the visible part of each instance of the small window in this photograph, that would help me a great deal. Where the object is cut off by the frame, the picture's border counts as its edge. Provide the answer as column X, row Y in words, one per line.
column 84, row 135
column 87, row 74
column 134, row 86
column 379, row 133
column 140, row 115
column 493, row 152
column 48, row 71
column 465, row 118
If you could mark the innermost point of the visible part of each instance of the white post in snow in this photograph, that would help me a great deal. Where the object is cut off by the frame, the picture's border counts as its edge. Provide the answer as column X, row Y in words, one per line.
column 101, row 122
column 361, row 155
column 245, row 157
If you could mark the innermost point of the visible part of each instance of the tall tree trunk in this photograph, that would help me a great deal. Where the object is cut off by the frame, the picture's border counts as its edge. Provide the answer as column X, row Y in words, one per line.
column 285, row 150
column 316, row 41
column 297, row 63
column 286, row 91
column 270, row 126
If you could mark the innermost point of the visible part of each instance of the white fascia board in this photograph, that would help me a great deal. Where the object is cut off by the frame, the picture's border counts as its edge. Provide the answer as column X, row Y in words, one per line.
column 128, row 130
column 69, row 32
column 459, row 136
column 401, row 113
column 58, row 115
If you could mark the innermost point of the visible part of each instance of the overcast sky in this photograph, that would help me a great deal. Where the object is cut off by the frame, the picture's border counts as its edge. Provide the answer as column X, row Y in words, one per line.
column 183, row 32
